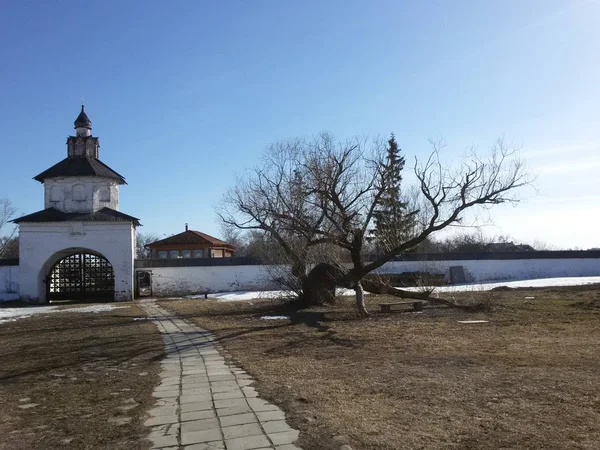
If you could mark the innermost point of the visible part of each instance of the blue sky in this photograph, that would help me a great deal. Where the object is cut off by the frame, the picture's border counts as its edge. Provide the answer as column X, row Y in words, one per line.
column 185, row 95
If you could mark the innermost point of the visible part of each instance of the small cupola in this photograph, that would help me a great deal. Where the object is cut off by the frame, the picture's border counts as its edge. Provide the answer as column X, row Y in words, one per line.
column 83, row 124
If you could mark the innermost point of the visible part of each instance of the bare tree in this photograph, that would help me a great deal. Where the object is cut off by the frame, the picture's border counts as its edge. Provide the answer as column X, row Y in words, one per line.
column 141, row 240
column 309, row 193
column 7, row 212
column 274, row 204
column 539, row 244
column 10, row 247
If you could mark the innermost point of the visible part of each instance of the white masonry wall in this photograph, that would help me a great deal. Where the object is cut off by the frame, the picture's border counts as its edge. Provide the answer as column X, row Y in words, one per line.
column 503, row 269
column 9, row 283
column 81, row 194
column 175, row 281
column 41, row 245
column 178, row 281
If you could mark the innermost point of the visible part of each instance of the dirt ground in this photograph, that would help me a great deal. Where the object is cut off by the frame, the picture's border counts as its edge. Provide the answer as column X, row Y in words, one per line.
column 77, row 380
column 527, row 379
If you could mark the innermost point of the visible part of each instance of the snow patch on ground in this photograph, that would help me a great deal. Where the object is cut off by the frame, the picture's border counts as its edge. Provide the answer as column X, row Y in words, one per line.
column 13, row 314
column 93, row 309
column 275, row 317
column 540, row 282
column 238, row 296
column 537, row 283
column 245, row 295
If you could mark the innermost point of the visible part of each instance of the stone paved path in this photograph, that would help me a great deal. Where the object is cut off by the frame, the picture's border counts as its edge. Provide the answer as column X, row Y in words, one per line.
column 205, row 404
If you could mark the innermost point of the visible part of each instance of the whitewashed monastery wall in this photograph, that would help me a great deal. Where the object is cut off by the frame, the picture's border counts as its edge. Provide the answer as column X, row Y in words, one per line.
column 502, row 269
column 178, row 281
column 9, row 282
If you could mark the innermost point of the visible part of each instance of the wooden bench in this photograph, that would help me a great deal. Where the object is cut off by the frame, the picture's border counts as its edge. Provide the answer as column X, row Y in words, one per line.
column 416, row 304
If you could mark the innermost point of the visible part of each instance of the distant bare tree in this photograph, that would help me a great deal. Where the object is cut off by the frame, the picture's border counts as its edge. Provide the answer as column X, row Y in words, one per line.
column 252, row 244
column 543, row 245
column 143, row 239
column 311, row 193
column 10, row 247
column 471, row 241
column 235, row 237
column 7, row 213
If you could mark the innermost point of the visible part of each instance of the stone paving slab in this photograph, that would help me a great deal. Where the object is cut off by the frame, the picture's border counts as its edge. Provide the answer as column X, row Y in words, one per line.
column 202, row 403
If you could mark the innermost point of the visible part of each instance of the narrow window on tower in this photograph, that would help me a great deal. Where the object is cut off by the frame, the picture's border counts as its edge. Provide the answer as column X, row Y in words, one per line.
column 105, row 194
column 55, row 192
column 78, row 192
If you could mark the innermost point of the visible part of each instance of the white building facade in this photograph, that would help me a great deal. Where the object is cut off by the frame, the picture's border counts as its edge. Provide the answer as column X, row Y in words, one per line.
column 80, row 246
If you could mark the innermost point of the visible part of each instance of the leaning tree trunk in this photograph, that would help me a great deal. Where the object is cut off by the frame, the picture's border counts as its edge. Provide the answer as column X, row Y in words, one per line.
column 318, row 287
column 376, row 287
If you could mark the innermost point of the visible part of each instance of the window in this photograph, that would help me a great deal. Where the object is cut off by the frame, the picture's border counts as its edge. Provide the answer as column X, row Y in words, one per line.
column 55, row 194
column 198, row 253
column 174, row 254
column 78, row 192
column 186, row 254
column 104, row 194
column 79, row 148
column 162, row 254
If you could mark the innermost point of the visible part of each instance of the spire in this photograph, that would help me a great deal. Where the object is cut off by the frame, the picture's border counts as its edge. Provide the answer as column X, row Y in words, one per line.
column 83, row 124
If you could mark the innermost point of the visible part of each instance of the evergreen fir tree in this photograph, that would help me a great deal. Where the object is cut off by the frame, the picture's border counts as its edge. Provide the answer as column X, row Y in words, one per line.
column 392, row 221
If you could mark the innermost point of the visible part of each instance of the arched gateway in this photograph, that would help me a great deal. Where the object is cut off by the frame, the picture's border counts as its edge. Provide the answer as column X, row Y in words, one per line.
column 80, row 246
column 81, row 276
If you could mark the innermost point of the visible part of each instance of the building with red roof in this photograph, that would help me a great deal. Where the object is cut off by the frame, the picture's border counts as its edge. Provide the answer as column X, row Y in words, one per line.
column 190, row 244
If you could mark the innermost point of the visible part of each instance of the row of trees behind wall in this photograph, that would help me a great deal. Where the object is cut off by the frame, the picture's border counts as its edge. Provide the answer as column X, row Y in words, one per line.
column 259, row 245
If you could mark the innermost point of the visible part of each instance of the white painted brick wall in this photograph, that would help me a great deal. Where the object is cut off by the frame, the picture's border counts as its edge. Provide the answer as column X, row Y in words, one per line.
column 503, row 269
column 58, row 194
column 41, row 245
column 175, row 281
column 178, row 281
column 9, row 282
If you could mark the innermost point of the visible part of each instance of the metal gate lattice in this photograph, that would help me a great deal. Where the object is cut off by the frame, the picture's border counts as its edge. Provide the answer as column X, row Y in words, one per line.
column 81, row 276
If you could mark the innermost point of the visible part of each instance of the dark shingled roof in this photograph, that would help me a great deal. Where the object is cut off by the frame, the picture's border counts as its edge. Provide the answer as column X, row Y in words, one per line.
column 80, row 167
column 191, row 237
column 83, row 121
column 54, row 215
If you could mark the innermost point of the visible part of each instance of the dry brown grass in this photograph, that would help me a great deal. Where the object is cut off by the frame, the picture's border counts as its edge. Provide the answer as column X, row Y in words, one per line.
column 80, row 368
column 528, row 379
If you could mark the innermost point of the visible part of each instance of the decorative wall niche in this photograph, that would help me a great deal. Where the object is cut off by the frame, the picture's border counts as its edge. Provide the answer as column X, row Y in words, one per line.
column 104, row 194
column 55, row 193
column 78, row 193
column 79, row 148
